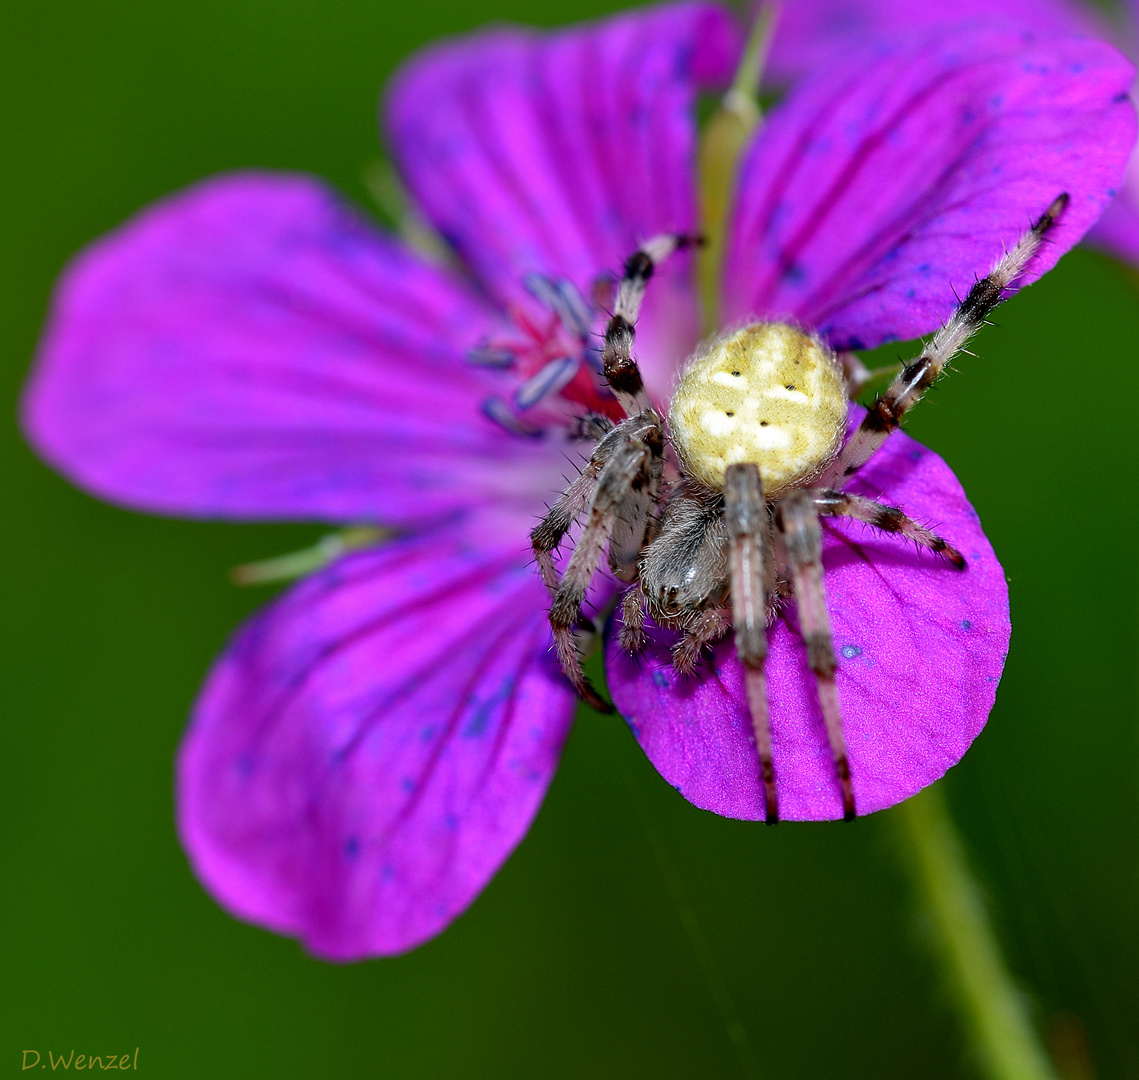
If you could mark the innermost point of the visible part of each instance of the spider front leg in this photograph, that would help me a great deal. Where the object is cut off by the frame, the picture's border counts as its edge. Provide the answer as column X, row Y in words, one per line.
column 799, row 524
column 621, row 371
column 745, row 511
column 887, row 518
column 551, row 530
column 632, row 468
column 919, row 375
column 548, row 534
column 621, row 481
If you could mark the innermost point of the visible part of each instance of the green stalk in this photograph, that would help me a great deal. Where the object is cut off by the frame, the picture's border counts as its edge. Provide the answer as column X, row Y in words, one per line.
column 725, row 137
column 990, row 1006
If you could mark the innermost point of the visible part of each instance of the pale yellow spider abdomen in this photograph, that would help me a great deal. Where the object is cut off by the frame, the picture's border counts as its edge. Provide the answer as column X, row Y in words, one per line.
column 767, row 393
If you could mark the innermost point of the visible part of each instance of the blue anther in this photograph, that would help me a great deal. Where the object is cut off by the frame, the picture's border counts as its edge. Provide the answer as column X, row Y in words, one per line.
column 556, row 374
column 485, row 356
column 497, row 410
column 563, row 299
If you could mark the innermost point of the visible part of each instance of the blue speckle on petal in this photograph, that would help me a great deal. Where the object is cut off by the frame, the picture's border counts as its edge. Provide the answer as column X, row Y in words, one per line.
column 660, row 678
column 451, row 822
column 352, row 847
column 243, row 765
column 851, row 651
column 966, row 624
column 484, row 711
column 407, row 784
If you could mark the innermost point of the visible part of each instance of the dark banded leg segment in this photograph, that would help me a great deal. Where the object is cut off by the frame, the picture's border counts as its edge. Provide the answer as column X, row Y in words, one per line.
column 803, row 537
column 745, row 511
column 907, row 389
column 887, row 518
column 620, row 368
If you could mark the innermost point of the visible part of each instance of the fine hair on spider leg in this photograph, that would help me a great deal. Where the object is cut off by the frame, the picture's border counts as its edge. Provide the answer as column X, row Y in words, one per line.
column 886, row 414
column 620, row 484
column 621, row 371
column 756, row 423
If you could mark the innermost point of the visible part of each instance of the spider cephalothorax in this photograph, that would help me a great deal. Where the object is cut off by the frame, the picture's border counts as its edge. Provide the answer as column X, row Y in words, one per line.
column 756, row 425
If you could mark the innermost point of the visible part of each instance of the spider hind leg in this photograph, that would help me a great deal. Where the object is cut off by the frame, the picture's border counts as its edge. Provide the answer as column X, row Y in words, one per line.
column 799, row 524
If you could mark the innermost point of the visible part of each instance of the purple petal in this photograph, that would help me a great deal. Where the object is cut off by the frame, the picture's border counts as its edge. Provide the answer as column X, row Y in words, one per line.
column 880, row 189
column 1117, row 232
column 251, row 348
column 372, row 746
column 920, row 650
column 559, row 153
column 809, row 32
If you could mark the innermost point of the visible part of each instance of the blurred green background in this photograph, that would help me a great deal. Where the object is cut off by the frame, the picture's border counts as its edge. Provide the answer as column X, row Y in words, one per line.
column 631, row 935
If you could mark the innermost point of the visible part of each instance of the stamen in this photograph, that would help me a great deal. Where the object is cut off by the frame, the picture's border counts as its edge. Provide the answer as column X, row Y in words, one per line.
column 563, row 299
column 722, row 143
column 580, row 314
column 497, row 410
column 489, row 356
column 549, row 380
column 296, row 564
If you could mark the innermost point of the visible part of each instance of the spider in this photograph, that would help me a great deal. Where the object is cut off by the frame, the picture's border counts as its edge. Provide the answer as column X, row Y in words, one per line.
column 756, row 428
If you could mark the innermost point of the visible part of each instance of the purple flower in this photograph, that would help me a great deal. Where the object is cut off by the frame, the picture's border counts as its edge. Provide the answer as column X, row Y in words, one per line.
column 812, row 32
column 372, row 745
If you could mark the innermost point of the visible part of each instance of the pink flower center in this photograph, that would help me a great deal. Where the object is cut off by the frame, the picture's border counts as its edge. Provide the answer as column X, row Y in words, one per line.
column 556, row 358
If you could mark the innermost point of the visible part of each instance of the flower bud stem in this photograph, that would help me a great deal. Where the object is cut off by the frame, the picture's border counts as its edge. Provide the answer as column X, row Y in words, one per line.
column 990, row 1006
column 297, row 564
column 725, row 137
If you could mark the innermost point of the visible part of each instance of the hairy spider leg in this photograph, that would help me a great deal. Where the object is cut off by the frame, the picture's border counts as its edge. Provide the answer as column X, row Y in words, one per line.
column 916, row 377
column 799, row 524
column 629, row 469
column 621, row 481
column 548, row 533
column 745, row 510
column 889, row 519
column 620, row 369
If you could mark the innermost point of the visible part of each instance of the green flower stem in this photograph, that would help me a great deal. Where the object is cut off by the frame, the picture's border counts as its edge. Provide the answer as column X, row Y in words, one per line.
column 990, row 1005
column 725, row 137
